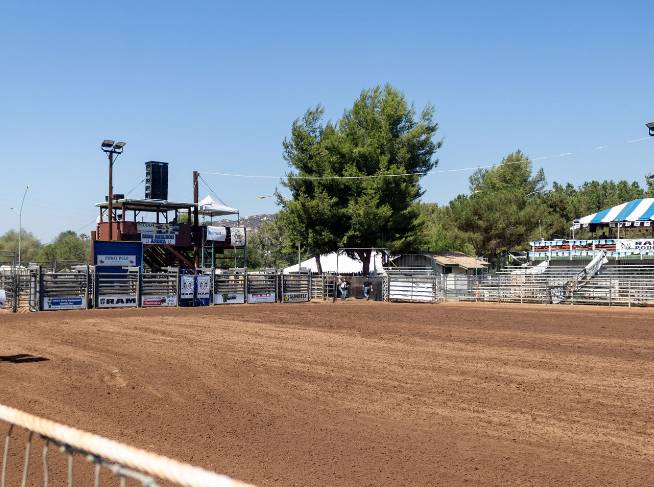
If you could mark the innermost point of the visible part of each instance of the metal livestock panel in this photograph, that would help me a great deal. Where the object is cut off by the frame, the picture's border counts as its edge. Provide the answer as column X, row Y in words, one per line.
column 414, row 286
column 296, row 288
column 64, row 290
column 160, row 288
column 117, row 289
column 262, row 287
column 229, row 288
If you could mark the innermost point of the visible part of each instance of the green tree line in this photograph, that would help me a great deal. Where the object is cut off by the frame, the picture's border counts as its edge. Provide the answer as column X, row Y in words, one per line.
column 68, row 247
column 349, row 187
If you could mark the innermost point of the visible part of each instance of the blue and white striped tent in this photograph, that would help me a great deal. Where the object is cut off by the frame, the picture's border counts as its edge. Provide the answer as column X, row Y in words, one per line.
column 631, row 213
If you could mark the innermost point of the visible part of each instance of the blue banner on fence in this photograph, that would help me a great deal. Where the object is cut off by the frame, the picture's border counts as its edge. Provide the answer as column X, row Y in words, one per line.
column 202, row 290
column 117, row 256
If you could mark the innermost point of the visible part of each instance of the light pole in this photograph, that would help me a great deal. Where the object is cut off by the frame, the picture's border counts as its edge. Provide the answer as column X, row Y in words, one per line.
column 20, row 222
column 112, row 149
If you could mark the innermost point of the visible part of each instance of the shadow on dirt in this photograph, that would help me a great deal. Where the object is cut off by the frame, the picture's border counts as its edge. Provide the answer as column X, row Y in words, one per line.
column 22, row 358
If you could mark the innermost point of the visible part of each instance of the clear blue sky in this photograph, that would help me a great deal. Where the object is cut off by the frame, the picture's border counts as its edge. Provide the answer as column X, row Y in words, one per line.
column 215, row 86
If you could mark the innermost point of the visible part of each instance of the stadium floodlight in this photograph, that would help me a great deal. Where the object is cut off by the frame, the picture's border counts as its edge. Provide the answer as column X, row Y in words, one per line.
column 111, row 148
column 107, row 144
column 650, row 126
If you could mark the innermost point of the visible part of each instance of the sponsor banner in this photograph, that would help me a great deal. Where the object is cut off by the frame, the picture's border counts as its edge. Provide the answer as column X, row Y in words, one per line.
column 167, row 300
column 117, row 301
column 114, row 256
column 635, row 244
column 158, row 233
column 557, row 295
column 217, row 234
column 261, row 297
column 296, row 297
column 187, row 287
column 116, row 260
column 3, row 298
column 202, row 290
column 159, row 238
column 229, row 298
column 64, row 302
column 203, row 286
column 237, row 236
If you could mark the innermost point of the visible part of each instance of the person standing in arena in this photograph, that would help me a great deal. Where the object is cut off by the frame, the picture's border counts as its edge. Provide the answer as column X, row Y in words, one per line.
column 343, row 285
column 367, row 288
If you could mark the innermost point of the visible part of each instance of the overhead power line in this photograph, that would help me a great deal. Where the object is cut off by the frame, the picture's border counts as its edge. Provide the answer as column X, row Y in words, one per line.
column 435, row 171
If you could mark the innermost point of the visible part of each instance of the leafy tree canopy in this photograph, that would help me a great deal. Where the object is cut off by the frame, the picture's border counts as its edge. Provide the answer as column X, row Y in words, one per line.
column 381, row 135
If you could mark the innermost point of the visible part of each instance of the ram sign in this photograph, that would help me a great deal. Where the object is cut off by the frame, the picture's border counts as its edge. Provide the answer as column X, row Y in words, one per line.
column 117, row 301
column 64, row 302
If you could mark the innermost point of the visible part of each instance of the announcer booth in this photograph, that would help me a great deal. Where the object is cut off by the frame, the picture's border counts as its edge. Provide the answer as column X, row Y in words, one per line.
column 622, row 232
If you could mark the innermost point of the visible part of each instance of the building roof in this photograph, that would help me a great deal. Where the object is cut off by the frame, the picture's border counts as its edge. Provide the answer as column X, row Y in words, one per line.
column 459, row 259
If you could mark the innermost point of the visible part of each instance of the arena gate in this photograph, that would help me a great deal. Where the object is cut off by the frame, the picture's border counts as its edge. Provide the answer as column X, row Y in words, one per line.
column 64, row 290
column 413, row 285
column 117, row 289
column 229, row 287
column 296, row 287
column 160, row 289
column 262, row 287
column 322, row 286
column 19, row 289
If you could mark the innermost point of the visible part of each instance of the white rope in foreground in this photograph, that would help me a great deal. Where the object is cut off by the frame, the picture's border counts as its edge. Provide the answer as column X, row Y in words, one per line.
column 119, row 453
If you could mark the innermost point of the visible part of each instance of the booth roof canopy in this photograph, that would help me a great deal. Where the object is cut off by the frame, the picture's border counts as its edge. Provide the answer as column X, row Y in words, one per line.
column 214, row 207
column 641, row 209
column 146, row 205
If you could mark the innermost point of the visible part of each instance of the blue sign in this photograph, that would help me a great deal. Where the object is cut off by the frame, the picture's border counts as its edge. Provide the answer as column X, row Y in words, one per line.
column 116, row 256
column 67, row 302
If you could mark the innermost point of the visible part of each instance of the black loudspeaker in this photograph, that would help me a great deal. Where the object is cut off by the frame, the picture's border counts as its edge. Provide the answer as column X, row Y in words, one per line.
column 156, row 180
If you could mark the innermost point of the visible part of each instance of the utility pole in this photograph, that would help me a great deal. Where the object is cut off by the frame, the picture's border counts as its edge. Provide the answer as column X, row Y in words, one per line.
column 112, row 149
column 197, row 244
column 299, row 257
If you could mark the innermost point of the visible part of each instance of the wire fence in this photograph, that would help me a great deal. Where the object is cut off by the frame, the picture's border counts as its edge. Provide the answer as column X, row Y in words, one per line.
column 69, row 456
column 613, row 285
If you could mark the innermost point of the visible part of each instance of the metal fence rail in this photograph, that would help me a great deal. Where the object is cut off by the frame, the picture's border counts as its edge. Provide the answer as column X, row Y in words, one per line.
column 262, row 287
column 229, row 287
column 613, row 285
column 119, row 461
column 117, row 290
column 296, row 288
column 64, row 290
column 414, row 285
column 160, row 288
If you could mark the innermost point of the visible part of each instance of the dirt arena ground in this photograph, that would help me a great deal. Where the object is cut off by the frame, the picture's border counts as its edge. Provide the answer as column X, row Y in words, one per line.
column 353, row 394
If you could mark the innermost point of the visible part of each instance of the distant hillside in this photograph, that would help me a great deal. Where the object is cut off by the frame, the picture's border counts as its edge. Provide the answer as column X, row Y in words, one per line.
column 252, row 223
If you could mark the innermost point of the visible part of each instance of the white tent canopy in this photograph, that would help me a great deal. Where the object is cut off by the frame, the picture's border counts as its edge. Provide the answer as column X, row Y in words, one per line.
column 346, row 264
column 209, row 206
